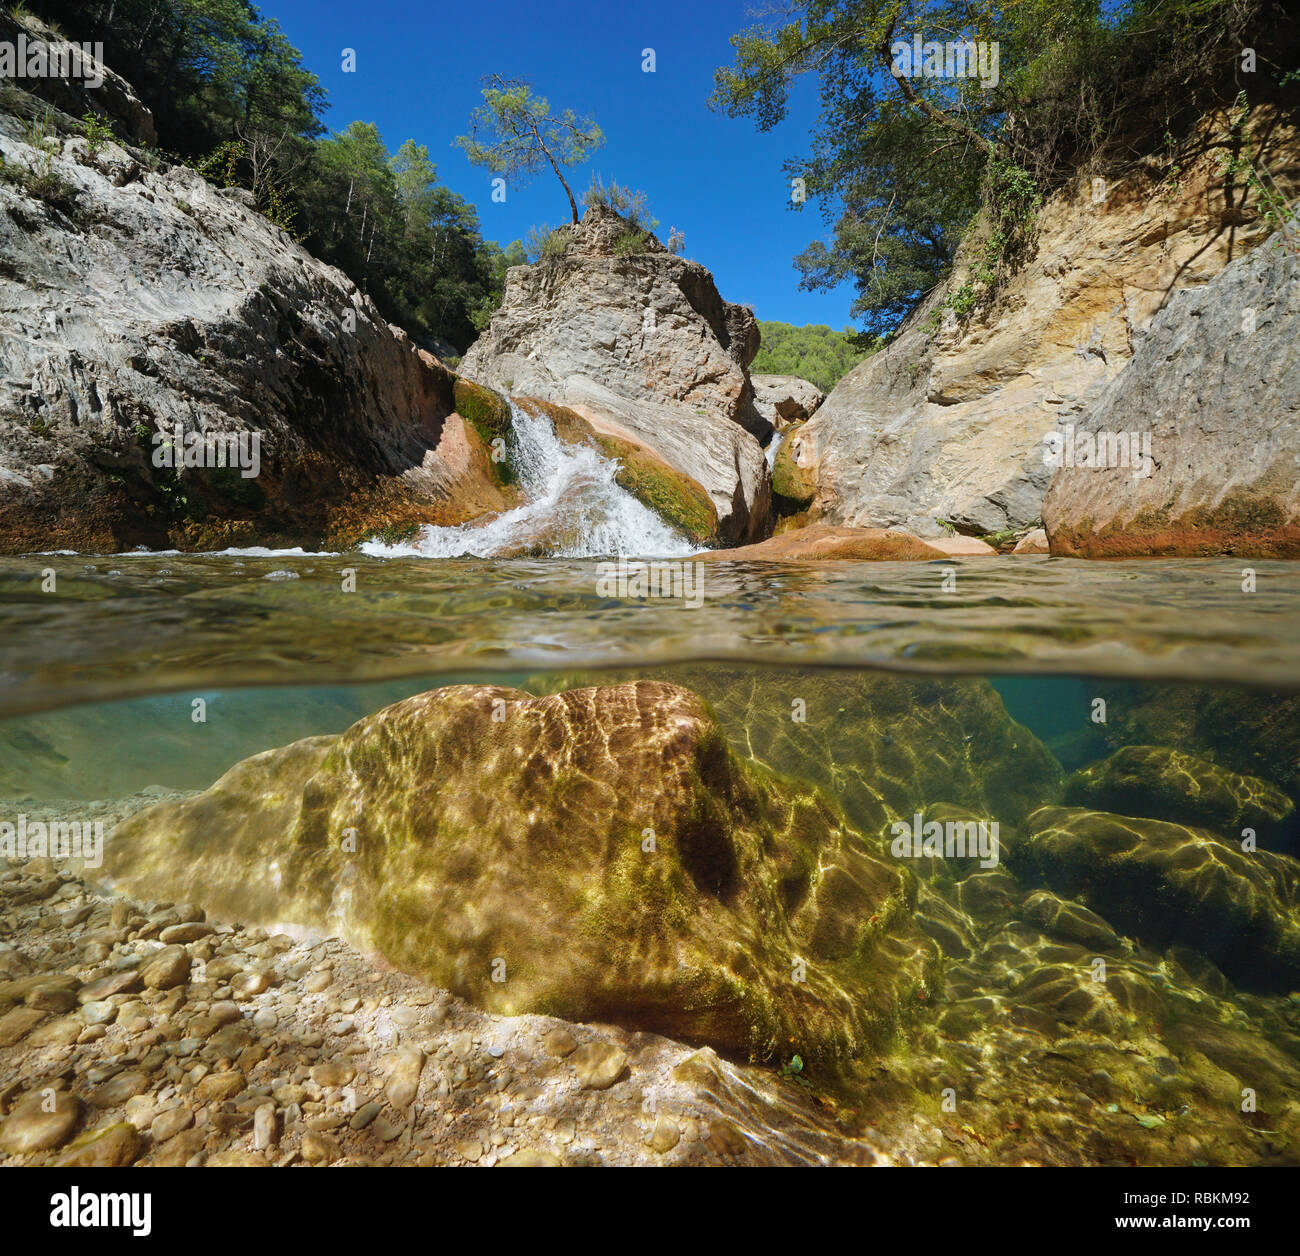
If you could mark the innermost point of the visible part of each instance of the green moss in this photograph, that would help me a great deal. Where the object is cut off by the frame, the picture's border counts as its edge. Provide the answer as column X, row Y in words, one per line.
column 794, row 485
column 488, row 413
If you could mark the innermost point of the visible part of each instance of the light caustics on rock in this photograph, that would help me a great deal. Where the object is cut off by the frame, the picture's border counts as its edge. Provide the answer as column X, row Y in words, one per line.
column 572, row 509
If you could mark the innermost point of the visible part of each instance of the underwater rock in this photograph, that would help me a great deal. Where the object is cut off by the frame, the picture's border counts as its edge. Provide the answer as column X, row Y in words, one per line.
column 599, row 854
column 886, row 746
column 1168, row 784
column 1165, row 883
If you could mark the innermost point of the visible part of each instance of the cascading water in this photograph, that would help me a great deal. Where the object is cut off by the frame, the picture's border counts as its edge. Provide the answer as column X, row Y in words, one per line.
column 774, row 448
column 572, row 509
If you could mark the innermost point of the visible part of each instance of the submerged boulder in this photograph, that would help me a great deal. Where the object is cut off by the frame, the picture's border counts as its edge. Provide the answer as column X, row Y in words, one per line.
column 1170, row 883
column 600, row 854
column 1174, row 785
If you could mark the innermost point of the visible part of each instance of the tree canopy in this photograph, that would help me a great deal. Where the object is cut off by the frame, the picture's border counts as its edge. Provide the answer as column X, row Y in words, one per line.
column 908, row 148
column 515, row 134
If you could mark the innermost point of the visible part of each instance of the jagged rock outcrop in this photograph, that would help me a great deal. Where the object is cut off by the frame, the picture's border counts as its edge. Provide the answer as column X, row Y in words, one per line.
column 948, row 422
column 640, row 344
column 785, row 399
column 98, row 90
column 136, row 297
column 1213, row 391
column 625, row 865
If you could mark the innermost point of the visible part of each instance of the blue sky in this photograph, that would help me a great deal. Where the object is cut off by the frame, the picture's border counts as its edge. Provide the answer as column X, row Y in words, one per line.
column 715, row 178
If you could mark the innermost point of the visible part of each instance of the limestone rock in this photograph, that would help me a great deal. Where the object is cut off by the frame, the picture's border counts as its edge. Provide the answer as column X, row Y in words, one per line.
column 31, row 1127
column 785, row 399
column 599, row 1064
column 129, row 305
column 112, row 1147
column 1033, row 542
column 644, row 342
column 820, row 542
column 1214, row 387
column 948, row 422
column 546, row 878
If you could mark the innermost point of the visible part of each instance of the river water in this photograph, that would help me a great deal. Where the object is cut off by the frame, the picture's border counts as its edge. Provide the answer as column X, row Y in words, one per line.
column 123, row 672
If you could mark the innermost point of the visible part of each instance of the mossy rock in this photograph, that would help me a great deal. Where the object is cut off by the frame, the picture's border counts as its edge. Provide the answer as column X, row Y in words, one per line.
column 1171, row 883
column 679, row 500
column 793, row 485
column 600, row 854
column 488, row 413
column 1168, row 784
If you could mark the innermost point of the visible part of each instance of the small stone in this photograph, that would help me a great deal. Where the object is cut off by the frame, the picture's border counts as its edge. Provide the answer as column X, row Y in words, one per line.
column 599, row 1064
column 334, row 1075
column 180, row 1150
column 265, row 1020
column 183, row 933
column 117, row 1090
column 318, row 983
column 101, row 1012
column 167, row 1125
column 264, row 1127
column 18, row 1022
column 560, row 1042
column 168, row 968
column 110, row 1147
column 404, row 1068
column 364, row 1115
column 223, row 969
column 470, row 1149
column 29, row 1127
column 249, row 985
column 125, row 982
column 320, row 1148
column 665, row 1135
column 218, row 1086
column 527, row 1158
column 225, row 1012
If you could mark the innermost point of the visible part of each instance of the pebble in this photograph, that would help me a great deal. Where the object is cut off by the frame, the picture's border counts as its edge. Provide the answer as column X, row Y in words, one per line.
column 29, row 1127
column 364, row 1115
column 404, row 1068
column 167, row 1125
column 333, row 1076
column 599, row 1064
column 117, row 1090
column 264, row 1127
column 320, row 1148
column 111, row 1147
column 167, row 968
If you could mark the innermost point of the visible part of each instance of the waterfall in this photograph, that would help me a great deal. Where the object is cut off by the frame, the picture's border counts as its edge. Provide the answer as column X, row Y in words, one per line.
column 572, row 509
column 774, row 448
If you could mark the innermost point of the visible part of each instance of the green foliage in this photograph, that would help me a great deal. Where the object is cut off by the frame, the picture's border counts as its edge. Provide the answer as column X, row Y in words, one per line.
column 97, row 130
column 629, row 202
column 630, row 242
column 815, row 352
column 901, row 166
column 1240, row 163
column 515, row 134
column 547, row 244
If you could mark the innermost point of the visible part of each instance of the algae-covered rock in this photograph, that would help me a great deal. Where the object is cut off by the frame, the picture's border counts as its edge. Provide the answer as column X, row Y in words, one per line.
column 1166, row 883
column 1173, row 785
column 792, row 482
column 600, row 854
column 884, row 746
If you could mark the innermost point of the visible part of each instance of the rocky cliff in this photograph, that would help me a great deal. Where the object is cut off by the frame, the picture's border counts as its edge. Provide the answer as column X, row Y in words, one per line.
column 1213, row 397
column 642, row 346
column 137, row 299
column 948, row 423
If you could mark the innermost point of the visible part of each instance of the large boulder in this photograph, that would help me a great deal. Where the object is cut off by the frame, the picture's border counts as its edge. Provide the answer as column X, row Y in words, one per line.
column 639, row 342
column 1172, row 883
column 949, row 422
column 1214, row 392
column 1169, row 784
column 785, row 399
column 136, row 298
column 596, row 854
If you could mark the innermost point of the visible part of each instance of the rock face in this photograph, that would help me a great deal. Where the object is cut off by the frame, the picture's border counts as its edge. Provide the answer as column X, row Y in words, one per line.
column 134, row 299
column 623, row 865
column 785, row 399
column 949, row 421
column 643, row 342
column 820, row 542
column 1214, row 387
